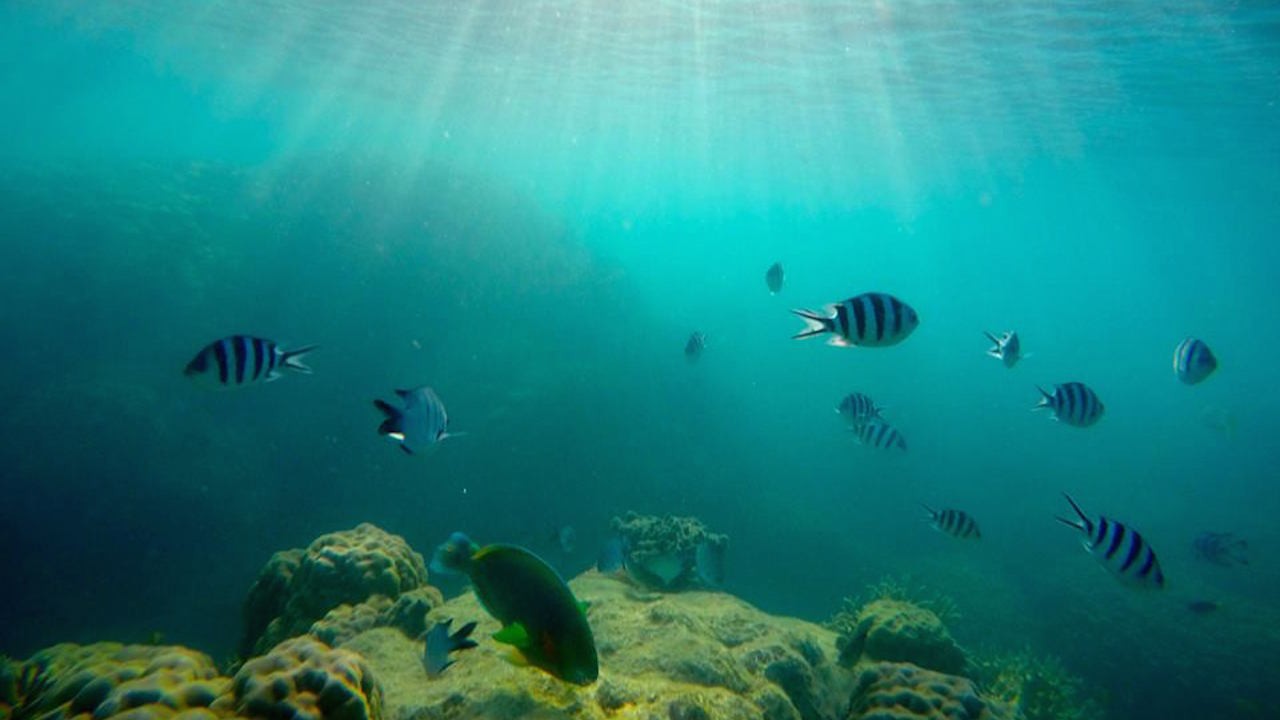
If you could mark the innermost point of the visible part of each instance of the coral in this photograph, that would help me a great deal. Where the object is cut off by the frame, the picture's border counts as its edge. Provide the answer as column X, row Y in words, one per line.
column 900, row 691
column 304, row 679
column 1039, row 686
column 9, row 672
column 299, row 587
column 109, row 679
column 682, row 655
column 898, row 631
column 407, row 613
column 662, row 551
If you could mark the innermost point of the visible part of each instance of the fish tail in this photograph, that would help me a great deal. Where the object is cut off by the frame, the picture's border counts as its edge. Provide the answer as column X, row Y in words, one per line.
column 815, row 324
column 292, row 359
column 1084, row 519
column 453, row 556
column 1045, row 401
column 461, row 640
column 392, row 424
column 995, row 344
column 933, row 514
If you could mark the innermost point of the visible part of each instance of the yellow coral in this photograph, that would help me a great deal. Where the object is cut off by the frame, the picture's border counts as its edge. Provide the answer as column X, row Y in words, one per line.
column 305, row 679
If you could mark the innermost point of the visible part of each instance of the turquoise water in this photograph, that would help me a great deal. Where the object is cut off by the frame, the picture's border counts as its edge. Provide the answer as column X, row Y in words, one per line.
column 529, row 206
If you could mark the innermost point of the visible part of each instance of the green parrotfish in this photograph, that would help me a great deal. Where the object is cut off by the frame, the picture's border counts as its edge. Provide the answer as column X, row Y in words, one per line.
column 539, row 614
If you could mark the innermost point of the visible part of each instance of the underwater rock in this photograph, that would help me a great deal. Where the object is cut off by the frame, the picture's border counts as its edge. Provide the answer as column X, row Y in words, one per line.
column 304, row 678
column 663, row 552
column 901, row 691
column 106, row 680
column 300, row 586
column 899, row 631
column 683, row 656
column 407, row 613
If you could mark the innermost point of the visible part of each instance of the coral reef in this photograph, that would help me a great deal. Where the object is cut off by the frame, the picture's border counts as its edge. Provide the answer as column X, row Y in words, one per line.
column 304, row 678
column 897, row 631
column 107, row 680
column 298, row 587
column 1039, row 686
column 663, row 551
column 407, row 613
column 900, row 691
column 679, row 656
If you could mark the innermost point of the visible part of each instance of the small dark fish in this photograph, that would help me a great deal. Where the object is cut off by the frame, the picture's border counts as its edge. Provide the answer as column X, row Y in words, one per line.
column 881, row 435
column 773, row 278
column 613, row 557
column 1203, row 607
column 241, row 360
column 1193, row 361
column 871, row 319
column 858, row 408
column 538, row 611
column 435, row 655
column 1007, row 349
column 693, row 349
column 1072, row 403
column 1121, row 550
column 1223, row 549
column 566, row 537
column 955, row 523
column 422, row 422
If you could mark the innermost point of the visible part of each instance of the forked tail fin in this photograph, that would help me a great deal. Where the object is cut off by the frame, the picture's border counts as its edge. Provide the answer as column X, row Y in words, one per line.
column 292, row 359
column 815, row 324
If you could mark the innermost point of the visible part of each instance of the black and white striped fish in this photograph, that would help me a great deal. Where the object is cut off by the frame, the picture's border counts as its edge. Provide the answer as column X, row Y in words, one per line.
column 243, row 359
column 1007, row 349
column 1121, row 549
column 956, row 523
column 871, row 319
column 1193, row 361
column 1072, row 403
column 881, row 435
column 858, row 408
column 694, row 347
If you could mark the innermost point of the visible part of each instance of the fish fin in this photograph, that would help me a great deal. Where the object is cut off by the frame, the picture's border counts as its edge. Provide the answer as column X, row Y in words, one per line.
column 992, row 338
column 456, row 433
column 403, row 394
column 405, row 448
column 461, row 639
column 1074, row 506
column 838, row 341
column 1044, row 401
column 995, row 353
column 273, row 376
column 933, row 514
column 390, row 425
column 1073, row 523
column 292, row 359
column 514, row 635
column 815, row 324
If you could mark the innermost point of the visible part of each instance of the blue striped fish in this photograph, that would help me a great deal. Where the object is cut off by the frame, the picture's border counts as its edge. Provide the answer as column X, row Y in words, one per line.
column 858, row 408
column 1121, row 549
column 422, row 422
column 240, row 360
column 1193, row 361
column 956, row 523
column 1072, row 403
column 880, row 435
column 871, row 319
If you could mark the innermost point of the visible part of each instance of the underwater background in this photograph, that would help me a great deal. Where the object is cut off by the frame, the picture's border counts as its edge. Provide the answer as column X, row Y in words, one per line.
column 530, row 206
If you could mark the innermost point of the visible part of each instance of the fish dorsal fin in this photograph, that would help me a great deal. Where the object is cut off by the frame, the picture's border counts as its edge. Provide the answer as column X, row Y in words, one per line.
column 514, row 635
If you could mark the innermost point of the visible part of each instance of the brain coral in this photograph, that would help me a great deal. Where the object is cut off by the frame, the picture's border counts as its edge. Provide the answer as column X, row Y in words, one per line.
column 900, row 631
column 112, row 680
column 299, row 587
column 900, row 691
column 304, row 679
column 407, row 613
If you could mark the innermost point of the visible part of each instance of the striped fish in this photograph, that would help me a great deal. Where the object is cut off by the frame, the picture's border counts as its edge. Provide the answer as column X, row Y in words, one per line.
column 1121, row 549
column 1193, row 361
column 1072, row 403
column 421, row 423
column 1007, row 348
column 694, row 347
column 240, row 360
column 956, row 523
column 881, row 435
column 871, row 319
column 858, row 408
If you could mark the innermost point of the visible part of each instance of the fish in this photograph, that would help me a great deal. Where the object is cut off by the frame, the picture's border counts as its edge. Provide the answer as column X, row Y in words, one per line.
column 858, row 408
column 1224, row 549
column 613, row 557
column 694, row 347
column 1072, row 403
column 1120, row 549
column 881, row 435
column 773, row 278
column 1193, row 361
column 540, row 616
column 1203, row 607
column 421, row 423
column 435, row 654
column 566, row 538
column 956, row 523
column 872, row 319
column 239, row 360
column 1008, row 348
